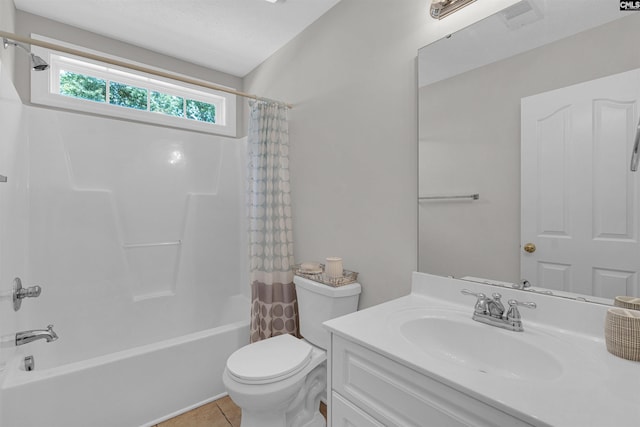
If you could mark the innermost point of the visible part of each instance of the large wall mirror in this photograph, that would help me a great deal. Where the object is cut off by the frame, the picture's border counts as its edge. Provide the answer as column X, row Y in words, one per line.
column 534, row 110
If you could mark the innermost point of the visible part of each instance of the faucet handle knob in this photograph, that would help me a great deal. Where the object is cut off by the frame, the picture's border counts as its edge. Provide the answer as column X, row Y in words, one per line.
column 31, row 292
column 481, row 303
column 513, row 314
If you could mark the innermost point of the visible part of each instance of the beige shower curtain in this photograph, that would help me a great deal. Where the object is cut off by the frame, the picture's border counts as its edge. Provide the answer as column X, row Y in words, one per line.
column 274, row 309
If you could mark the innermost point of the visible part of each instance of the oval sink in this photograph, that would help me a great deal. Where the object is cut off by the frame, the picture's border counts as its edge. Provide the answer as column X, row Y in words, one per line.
column 482, row 348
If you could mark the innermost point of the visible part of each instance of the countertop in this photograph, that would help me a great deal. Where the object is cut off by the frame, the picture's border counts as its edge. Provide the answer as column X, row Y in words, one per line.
column 594, row 387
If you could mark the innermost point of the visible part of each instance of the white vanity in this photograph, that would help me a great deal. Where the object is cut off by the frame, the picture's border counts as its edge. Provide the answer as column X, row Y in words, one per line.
column 421, row 360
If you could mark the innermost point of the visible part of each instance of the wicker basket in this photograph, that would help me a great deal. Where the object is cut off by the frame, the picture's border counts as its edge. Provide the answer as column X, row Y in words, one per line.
column 347, row 276
column 632, row 303
column 622, row 333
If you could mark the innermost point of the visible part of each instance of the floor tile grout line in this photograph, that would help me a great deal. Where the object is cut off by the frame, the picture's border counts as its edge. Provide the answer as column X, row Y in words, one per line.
column 223, row 414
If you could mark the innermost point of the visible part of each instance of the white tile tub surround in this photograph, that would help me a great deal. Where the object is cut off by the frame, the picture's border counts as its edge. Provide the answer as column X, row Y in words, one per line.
column 594, row 388
column 136, row 236
column 135, row 232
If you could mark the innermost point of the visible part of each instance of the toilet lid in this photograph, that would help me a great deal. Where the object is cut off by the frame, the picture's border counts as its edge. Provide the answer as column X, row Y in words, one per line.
column 269, row 360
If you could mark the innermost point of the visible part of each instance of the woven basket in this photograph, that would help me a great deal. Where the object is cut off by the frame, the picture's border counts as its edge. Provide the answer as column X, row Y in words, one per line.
column 622, row 333
column 627, row 302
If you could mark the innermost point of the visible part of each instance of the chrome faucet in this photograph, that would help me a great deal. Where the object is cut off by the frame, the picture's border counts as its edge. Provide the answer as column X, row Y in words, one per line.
column 491, row 311
column 522, row 284
column 26, row 337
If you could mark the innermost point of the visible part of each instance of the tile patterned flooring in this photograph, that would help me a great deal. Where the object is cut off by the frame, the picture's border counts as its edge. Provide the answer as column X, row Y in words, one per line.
column 219, row 413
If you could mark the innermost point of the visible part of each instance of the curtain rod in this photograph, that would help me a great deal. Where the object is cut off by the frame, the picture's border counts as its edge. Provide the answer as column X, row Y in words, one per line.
column 130, row 66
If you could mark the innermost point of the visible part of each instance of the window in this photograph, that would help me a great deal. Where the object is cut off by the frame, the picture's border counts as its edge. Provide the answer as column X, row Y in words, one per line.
column 90, row 86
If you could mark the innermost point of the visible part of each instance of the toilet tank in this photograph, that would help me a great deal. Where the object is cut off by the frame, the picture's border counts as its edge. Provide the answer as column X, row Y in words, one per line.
column 318, row 303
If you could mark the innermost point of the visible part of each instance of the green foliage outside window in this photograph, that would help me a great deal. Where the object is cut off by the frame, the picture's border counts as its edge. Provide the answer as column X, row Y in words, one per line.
column 123, row 95
column 81, row 86
column 201, row 111
column 167, row 104
column 127, row 96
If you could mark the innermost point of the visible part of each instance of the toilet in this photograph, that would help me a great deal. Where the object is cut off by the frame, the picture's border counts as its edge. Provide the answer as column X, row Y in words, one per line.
column 279, row 382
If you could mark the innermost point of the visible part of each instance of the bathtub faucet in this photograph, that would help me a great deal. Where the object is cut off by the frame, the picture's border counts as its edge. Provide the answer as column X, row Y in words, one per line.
column 26, row 337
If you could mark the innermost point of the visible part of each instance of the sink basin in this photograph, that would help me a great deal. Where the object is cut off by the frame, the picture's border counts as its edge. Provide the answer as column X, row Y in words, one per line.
column 486, row 349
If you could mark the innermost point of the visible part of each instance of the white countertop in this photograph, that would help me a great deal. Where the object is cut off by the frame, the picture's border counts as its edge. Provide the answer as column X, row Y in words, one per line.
column 593, row 387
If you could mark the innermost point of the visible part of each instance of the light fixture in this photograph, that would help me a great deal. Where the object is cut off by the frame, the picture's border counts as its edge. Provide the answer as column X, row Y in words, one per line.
column 37, row 63
column 442, row 8
column 272, row 1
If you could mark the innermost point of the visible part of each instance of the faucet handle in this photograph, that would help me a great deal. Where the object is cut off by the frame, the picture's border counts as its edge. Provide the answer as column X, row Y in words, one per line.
column 30, row 292
column 477, row 295
column 481, row 303
column 513, row 313
column 513, row 303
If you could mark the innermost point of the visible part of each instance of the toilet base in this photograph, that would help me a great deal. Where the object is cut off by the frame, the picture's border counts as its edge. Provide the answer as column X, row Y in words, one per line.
column 304, row 411
column 294, row 402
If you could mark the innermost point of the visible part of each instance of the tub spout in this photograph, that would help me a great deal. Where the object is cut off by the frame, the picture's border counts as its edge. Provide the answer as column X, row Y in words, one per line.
column 26, row 337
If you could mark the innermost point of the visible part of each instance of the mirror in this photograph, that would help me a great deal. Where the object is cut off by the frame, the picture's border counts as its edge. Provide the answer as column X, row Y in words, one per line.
column 473, row 87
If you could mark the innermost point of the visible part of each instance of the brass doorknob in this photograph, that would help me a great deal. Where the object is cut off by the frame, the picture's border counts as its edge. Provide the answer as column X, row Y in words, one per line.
column 530, row 247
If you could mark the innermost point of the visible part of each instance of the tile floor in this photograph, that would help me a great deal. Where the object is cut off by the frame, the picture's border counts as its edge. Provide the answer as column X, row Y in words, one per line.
column 219, row 413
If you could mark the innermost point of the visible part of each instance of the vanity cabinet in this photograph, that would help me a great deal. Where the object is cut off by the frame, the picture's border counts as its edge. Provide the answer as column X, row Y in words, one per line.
column 346, row 414
column 371, row 390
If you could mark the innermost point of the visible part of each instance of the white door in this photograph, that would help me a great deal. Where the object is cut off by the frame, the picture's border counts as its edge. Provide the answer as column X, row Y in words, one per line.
column 579, row 203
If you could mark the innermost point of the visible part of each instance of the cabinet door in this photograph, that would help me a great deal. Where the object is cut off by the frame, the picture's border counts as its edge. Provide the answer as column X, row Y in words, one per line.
column 346, row 414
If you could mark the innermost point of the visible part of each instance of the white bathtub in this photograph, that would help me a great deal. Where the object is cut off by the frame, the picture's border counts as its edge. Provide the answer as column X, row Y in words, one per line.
column 137, row 387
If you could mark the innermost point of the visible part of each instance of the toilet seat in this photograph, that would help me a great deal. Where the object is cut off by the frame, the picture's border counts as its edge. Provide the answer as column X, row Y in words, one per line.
column 270, row 360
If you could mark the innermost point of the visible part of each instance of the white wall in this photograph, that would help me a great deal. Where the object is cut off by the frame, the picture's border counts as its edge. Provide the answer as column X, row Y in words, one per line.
column 352, row 79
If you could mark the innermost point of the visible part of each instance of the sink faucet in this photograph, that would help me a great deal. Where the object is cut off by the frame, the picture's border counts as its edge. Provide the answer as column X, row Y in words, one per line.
column 26, row 337
column 522, row 284
column 491, row 311
column 525, row 285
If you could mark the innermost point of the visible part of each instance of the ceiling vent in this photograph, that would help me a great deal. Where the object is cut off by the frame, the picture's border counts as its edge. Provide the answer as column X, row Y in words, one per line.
column 520, row 14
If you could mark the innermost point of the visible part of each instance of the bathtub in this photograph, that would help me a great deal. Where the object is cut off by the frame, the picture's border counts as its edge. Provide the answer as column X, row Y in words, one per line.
column 140, row 386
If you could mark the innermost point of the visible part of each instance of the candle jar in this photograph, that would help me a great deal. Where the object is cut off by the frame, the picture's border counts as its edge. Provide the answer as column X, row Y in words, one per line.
column 333, row 267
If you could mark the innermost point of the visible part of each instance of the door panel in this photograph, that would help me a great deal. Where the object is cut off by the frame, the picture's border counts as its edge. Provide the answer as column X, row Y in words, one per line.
column 579, row 201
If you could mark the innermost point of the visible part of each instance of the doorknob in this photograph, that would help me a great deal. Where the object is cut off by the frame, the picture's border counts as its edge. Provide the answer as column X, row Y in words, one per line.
column 530, row 247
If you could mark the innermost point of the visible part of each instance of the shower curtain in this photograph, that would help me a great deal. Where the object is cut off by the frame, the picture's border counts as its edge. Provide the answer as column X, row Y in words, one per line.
column 274, row 309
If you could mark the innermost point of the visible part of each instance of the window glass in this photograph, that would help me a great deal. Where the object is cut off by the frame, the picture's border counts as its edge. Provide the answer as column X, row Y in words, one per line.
column 166, row 104
column 82, row 86
column 201, row 111
column 95, row 87
column 127, row 96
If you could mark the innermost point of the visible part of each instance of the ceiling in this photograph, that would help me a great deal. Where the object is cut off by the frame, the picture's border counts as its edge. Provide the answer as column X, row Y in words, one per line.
column 233, row 36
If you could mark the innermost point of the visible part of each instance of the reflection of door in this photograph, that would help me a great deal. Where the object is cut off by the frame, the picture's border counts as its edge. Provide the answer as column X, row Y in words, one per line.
column 579, row 203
